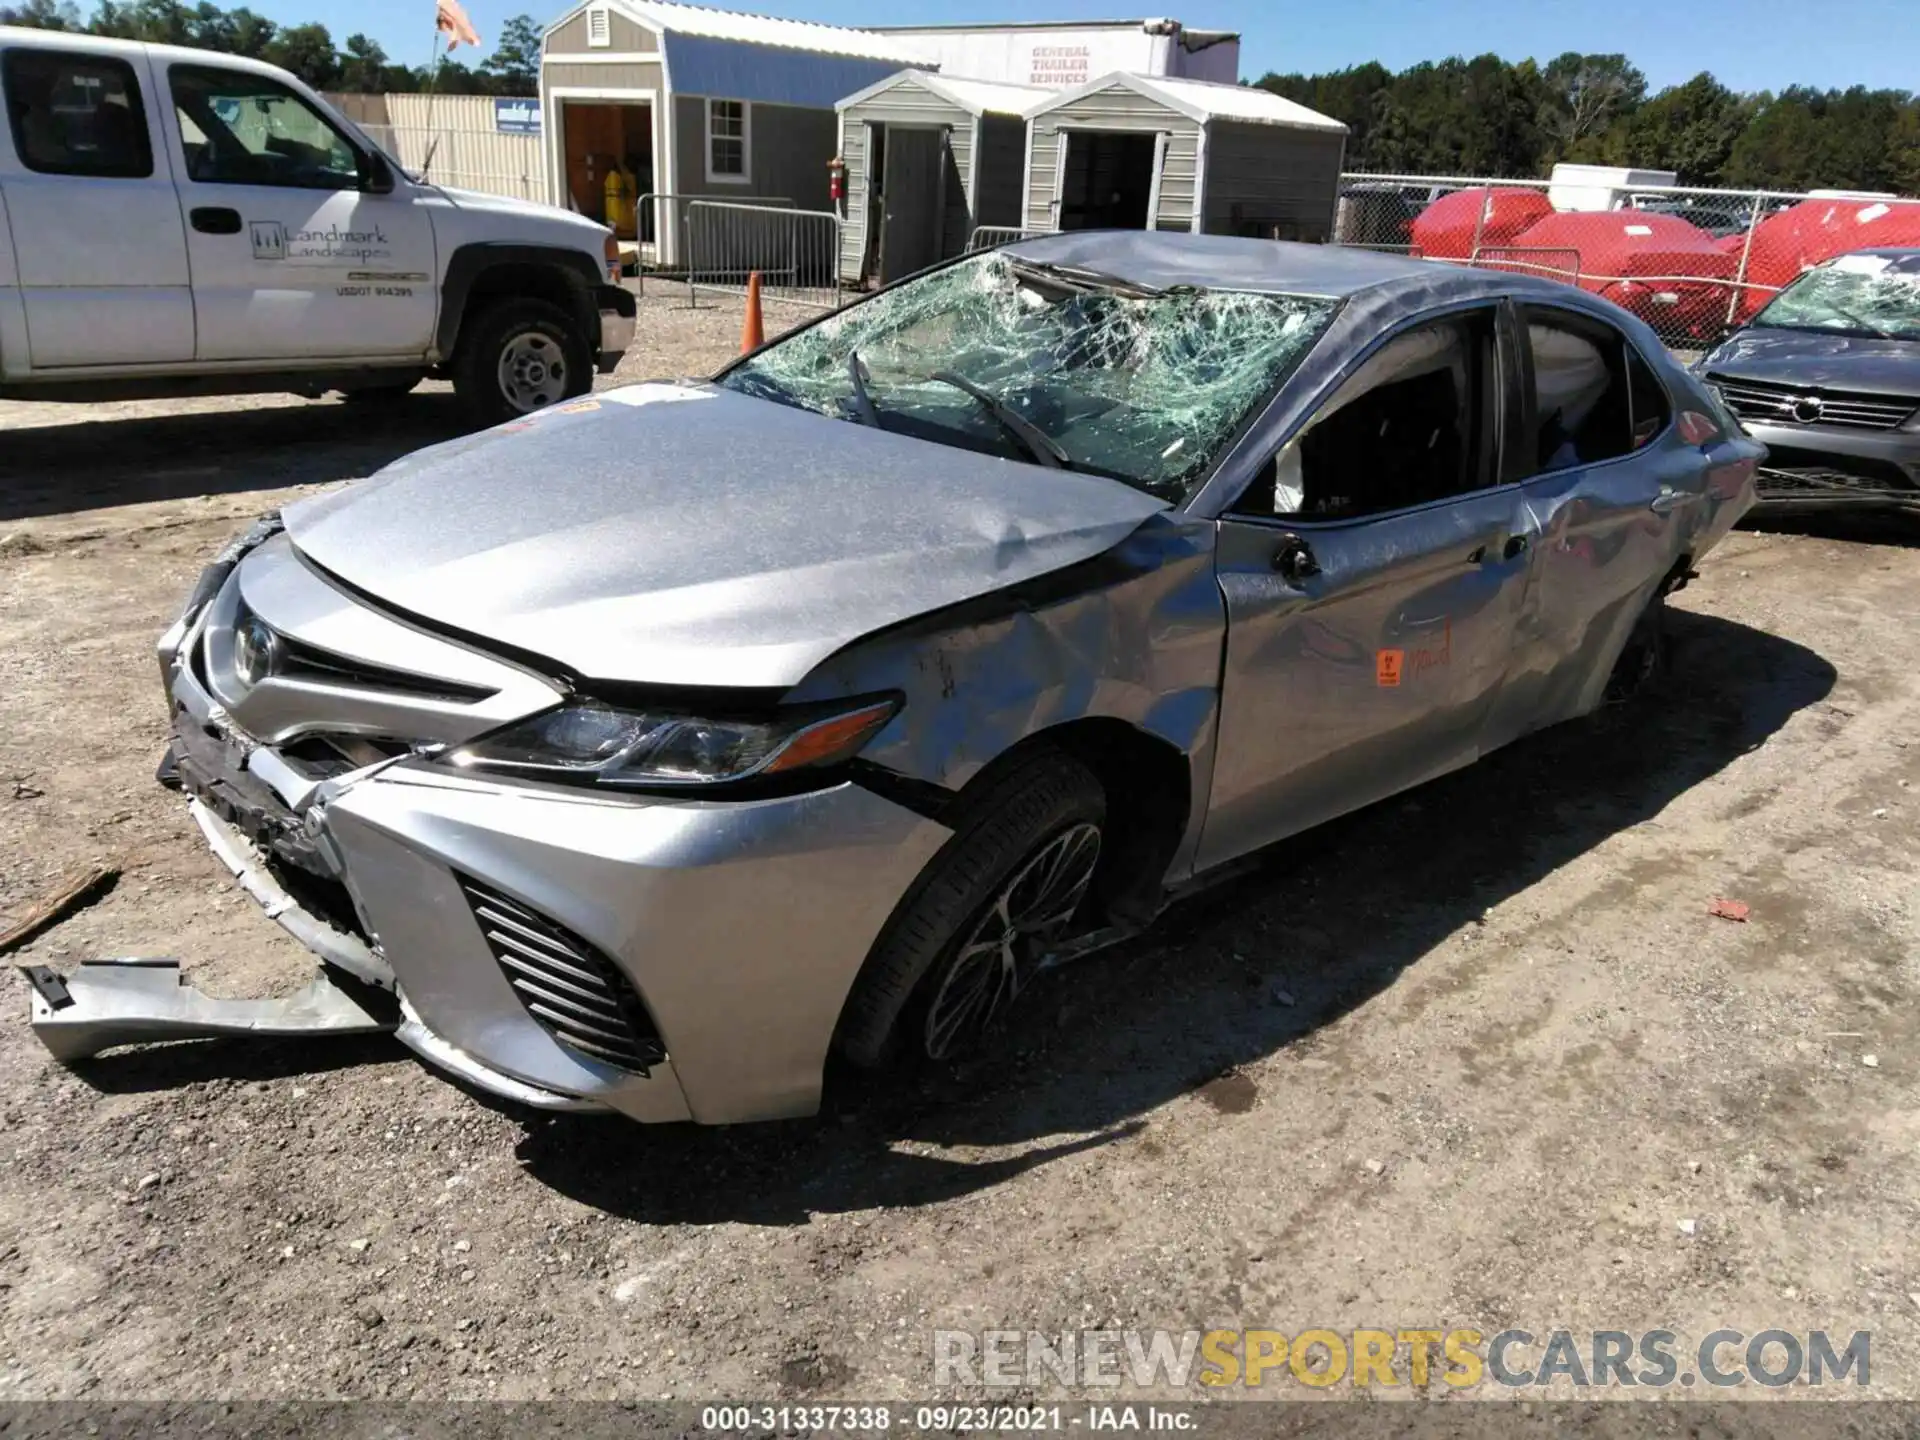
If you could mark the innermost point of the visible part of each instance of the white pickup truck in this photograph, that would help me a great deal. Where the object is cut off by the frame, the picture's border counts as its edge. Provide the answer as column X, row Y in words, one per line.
column 176, row 222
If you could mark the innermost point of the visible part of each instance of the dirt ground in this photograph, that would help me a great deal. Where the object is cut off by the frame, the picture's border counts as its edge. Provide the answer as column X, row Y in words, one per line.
column 1478, row 1056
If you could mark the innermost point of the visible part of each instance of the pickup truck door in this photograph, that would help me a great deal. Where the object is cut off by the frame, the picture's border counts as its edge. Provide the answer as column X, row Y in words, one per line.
column 100, row 253
column 1372, row 580
column 293, row 258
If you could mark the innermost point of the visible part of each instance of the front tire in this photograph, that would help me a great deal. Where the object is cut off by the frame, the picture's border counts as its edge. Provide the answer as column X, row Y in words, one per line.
column 1009, row 886
column 520, row 356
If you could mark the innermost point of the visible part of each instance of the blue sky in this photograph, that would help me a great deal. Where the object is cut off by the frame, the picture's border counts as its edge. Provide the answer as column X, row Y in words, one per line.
column 1749, row 44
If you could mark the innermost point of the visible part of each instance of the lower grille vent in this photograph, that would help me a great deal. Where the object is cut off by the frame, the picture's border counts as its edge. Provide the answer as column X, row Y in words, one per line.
column 574, row 992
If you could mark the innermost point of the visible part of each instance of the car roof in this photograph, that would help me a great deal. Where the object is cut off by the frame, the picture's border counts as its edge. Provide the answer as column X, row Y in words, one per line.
column 1230, row 262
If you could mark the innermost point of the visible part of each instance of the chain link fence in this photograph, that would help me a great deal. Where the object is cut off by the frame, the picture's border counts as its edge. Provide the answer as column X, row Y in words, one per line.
column 1693, row 263
column 796, row 253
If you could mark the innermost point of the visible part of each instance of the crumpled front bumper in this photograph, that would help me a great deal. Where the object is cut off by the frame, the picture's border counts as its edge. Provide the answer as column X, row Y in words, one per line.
column 741, row 925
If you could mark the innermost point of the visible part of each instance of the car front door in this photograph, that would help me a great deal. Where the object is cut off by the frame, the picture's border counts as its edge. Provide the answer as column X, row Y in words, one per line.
column 100, row 254
column 1609, row 489
column 293, row 256
column 1372, row 577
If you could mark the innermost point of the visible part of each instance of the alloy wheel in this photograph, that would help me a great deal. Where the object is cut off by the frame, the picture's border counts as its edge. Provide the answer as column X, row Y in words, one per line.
column 1009, row 940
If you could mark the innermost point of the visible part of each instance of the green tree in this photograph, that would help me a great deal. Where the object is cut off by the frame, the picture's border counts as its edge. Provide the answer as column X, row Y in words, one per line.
column 1586, row 96
column 1903, row 149
column 514, row 66
column 307, row 50
column 252, row 34
column 1689, row 129
column 363, row 66
column 42, row 15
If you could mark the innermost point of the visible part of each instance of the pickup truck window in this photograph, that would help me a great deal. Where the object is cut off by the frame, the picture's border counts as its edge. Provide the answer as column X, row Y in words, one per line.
column 76, row 115
column 241, row 129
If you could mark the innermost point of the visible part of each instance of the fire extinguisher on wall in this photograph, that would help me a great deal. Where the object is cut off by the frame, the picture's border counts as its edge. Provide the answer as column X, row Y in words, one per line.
column 837, row 184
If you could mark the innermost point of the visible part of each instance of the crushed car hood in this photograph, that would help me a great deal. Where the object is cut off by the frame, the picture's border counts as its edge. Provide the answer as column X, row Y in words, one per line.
column 1804, row 357
column 687, row 535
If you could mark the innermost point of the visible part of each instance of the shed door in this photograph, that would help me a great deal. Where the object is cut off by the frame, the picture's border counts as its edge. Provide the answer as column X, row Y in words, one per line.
column 913, row 210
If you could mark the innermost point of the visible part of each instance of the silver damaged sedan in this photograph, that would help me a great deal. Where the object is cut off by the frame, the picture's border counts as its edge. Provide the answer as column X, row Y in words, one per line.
column 645, row 753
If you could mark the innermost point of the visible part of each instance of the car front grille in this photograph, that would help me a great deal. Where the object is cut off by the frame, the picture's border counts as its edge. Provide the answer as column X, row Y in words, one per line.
column 1769, row 404
column 1793, row 474
column 571, row 989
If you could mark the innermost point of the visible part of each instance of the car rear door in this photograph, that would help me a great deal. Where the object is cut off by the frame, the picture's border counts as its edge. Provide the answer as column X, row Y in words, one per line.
column 1372, row 577
column 100, row 252
column 1611, row 490
column 292, row 258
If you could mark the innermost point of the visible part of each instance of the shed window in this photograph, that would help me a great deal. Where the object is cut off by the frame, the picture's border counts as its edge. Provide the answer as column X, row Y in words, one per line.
column 599, row 27
column 729, row 157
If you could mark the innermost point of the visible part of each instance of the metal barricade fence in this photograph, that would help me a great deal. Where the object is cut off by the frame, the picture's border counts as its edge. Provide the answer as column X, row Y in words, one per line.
column 660, row 220
column 985, row 237
column 795, row 252
column 1691, row 283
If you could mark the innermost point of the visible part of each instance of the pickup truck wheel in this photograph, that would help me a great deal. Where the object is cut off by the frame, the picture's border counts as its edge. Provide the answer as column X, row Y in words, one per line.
column 1005, row 890
column 520, row 356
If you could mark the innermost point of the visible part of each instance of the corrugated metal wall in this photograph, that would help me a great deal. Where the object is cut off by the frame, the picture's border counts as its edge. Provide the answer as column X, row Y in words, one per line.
column 1271, row 181
column 1115, row 108
column 468, row 149
column 904, row 104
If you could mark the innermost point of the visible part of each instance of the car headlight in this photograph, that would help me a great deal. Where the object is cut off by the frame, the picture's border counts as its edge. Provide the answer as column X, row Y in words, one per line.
column 610, row 746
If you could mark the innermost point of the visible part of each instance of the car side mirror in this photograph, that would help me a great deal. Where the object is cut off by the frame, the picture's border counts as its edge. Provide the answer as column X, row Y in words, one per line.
column 376, row 176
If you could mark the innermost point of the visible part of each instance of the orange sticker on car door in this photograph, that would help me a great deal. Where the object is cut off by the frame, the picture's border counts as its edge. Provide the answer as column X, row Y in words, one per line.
column 1386, row 667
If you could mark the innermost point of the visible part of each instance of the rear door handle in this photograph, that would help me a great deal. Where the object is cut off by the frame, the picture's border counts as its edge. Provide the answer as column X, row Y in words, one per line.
column 1515, row 547
column 215, row 220
column 1668, row 499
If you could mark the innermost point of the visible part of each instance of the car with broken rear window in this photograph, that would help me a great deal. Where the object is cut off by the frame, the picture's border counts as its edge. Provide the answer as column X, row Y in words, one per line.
column 1827, row 377
column 814, row 710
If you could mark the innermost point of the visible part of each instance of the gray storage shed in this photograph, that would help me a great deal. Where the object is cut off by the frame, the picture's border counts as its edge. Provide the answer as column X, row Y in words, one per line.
column 695, row 103
column 929, row 157
column 1133, row 152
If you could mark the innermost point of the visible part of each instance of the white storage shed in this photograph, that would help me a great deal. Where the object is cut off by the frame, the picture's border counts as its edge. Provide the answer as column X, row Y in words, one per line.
column 1135, row 152
column 929, row 158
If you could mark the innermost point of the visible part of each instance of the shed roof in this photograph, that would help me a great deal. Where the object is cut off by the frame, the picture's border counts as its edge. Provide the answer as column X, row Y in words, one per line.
column 668, row 16
column 976, row 97
column 1204, row 100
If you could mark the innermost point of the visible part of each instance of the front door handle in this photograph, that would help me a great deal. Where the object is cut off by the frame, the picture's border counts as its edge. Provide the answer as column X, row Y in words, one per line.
column 1515, row 547
column 1294, row 560
column 215, row 220
column 1667, row 500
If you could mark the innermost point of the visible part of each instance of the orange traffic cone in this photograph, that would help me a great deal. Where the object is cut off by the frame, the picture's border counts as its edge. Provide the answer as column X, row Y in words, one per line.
column 754, row 333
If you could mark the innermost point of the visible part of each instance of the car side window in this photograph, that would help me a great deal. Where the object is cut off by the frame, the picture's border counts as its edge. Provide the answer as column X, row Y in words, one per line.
column 1418, row 421
column 1595, row 396
column 1652, row 410
column 76, row 115
column 242, row 129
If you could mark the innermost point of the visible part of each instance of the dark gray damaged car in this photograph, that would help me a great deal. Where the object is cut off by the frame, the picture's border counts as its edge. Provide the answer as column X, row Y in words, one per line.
column 641, row 754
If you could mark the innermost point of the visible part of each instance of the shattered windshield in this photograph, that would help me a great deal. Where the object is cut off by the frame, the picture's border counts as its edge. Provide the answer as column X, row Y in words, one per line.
column 1860, row 294
column 1055, row 365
